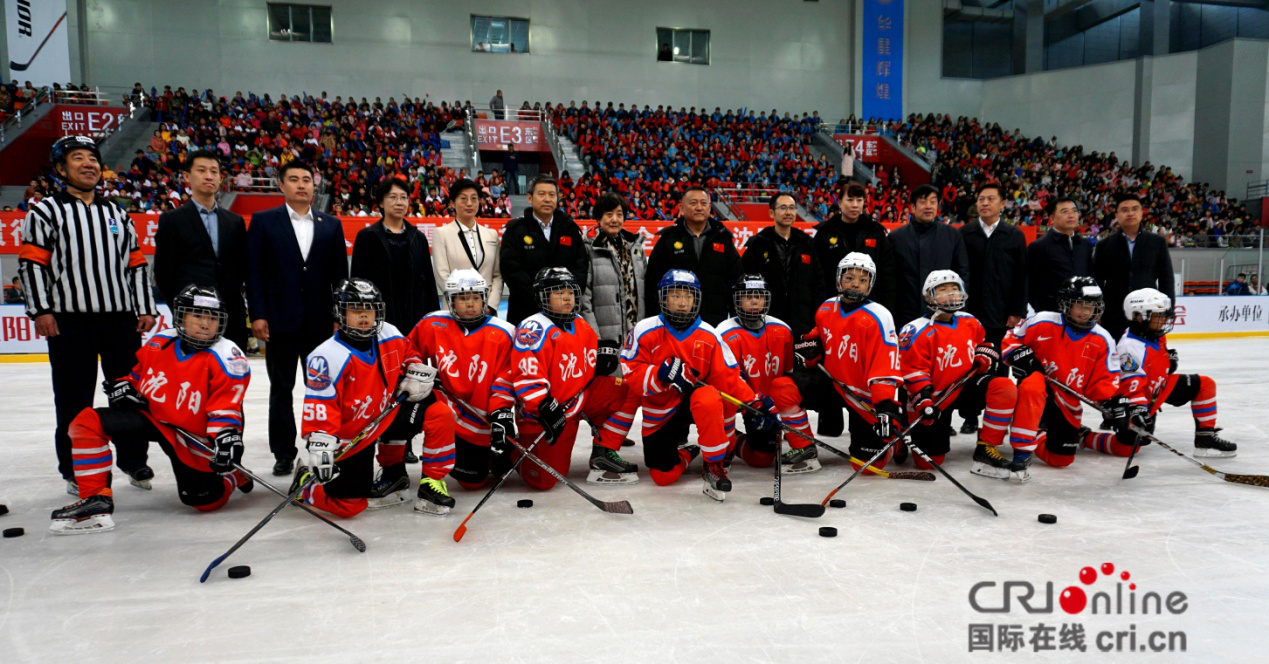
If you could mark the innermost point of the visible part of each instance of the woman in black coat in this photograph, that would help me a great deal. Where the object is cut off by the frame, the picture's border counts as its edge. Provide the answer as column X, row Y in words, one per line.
column 395, row 256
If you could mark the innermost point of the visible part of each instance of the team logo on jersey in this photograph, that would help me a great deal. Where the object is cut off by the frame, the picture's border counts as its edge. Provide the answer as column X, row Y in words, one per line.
column 906, row 336
column 238, row 361
column 317, row 374
column 114, row 225
column 629, row 343
column 1128, row 363
column 529, row 334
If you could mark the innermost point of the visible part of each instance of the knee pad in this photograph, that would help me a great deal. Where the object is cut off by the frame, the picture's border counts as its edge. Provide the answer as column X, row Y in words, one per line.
column 471, row 464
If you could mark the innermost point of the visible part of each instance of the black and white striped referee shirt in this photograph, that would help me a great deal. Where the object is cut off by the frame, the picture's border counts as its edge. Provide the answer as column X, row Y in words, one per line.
column 78, row 258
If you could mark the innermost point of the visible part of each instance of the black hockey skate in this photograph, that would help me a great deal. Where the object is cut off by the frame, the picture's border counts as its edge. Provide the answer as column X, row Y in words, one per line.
column 433, row 497
column 391, row 488
column 805, row 460
column 607, row 467
column 90, row 515
column 1208, row 445
column 716, row 483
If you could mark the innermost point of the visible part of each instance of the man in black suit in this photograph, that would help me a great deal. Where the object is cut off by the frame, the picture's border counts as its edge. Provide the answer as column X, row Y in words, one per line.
column 1130, row 259
column 1058, row 255
column 295, row 258
column 204, row 244
column 543, row 237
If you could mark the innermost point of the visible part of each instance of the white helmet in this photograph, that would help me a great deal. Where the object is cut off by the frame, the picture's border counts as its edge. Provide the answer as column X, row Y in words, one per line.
column 466, row 281
column 856, row 261
column 1144, row 304
column 955, row 302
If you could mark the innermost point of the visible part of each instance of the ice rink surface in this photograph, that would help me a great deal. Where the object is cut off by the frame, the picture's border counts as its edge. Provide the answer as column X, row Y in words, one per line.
column 684, row 579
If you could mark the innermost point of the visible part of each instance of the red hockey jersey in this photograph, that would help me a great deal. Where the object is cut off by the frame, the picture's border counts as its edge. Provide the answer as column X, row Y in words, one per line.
column 763, row 354
column 706, row 355
column 1143, row 370
column 200, row 392
column 1082, row 360
column 860, row 349
column 938, row 354
column 346, row 388
column 548, row 359
column 474, row 366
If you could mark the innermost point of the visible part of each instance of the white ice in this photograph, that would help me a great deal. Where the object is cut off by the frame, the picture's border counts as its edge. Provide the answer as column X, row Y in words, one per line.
column 684, row 579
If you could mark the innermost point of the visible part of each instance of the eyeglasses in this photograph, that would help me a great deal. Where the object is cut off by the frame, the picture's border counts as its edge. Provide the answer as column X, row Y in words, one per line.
column 787, row 208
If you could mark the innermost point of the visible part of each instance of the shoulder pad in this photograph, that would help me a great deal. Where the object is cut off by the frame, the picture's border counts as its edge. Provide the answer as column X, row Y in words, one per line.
column 324, row 366
column 776, row 322
column 231, row 358
column 910, row 332
column 532, row 332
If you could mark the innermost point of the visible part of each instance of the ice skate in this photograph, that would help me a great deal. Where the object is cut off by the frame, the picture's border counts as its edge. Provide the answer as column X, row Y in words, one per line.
column 90, row 515
column 607, row 467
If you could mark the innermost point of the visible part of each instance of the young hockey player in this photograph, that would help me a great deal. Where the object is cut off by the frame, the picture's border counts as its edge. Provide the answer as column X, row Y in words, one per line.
column 854, row 338
column 350, row 379
column 1068, row 346
column 1148, row 379
column 763, row 345
column 472, row 353
column 938, row 351
column 663, row 358
column 552, row 362
column 192, row 378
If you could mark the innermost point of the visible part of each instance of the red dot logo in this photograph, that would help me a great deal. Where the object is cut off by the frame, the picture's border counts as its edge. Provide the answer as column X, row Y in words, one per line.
column 1073, row 600
column 1125, row 576
column 1108, row 568
column 1132, row 586
column 1088, row 575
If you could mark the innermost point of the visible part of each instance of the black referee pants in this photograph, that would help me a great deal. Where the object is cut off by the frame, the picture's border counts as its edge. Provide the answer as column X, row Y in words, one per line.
column 72, row 356
column 283, row 352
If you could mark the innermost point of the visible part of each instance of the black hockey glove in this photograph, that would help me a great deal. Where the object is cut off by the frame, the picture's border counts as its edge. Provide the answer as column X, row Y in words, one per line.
column 551, row 417
column 502, row 424
column 1173, row 360
column 889, row 417
column 122, row 395
column 806, row 352
column 1024, row 360
column 607, row 357
column 226, row 451
column 923, row 406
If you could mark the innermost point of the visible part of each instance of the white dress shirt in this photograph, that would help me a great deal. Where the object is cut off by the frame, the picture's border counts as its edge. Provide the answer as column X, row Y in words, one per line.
column 472, row 235
column 546, row 228
column 303, row 225
column 986, row 228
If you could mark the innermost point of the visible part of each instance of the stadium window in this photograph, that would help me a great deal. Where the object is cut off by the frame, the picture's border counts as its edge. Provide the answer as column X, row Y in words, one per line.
column 499, row 34
column 683, row 45
column 300, row 23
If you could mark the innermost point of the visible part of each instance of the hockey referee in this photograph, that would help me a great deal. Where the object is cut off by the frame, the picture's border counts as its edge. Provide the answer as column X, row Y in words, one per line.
column 88, row 291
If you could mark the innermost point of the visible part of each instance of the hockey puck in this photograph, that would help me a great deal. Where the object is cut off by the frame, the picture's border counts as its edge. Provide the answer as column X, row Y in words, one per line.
column 907, row 507
column 837, row 502
column 4, row 509
column 828, row 531
column 239, row 572
column 524, row 502
column 1048, row 518
column 13, row 532
column 766, row 500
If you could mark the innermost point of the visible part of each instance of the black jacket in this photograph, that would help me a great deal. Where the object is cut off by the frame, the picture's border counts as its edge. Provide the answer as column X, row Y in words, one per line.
column 1150, row 266
column 525, row 250
column 406, row 303
column 1051, row 260
column 718, row 267
column 997, row 285
column 183, row 255
column 918, row 253
column 789, row 274
column 292, row 293
column 835, row 238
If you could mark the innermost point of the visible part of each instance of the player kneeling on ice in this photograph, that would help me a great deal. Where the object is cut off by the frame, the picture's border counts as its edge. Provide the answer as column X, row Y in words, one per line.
column 350, row 379
column 679, row 364
column 190, row 378
column 937, row 352
column 472, row 353
column 1071, row 348
column 763, row 345
column 552, row 365
column 855, row 341
column 1148, row 379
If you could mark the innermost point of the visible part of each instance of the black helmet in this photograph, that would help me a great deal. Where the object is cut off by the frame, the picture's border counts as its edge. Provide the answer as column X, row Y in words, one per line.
column 66, row 144
column 1081, row 290
column 200, row 301
column 358, row 295
column 750, row 285
column 550, row 280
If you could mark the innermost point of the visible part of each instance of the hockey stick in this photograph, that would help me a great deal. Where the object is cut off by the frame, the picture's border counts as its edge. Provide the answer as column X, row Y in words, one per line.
column 618, row 507
column 810, row 510
column 374, row 424
column 1236, row 478
column 462, row 527
column 859, row 405
column 202, row 444
column 900, row 436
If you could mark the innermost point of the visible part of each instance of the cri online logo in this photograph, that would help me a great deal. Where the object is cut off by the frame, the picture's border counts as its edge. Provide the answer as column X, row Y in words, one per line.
column 1075, row 599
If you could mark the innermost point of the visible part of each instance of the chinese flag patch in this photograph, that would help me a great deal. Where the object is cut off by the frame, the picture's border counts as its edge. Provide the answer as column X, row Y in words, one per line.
column 806, row 258
column 566, row 241
column 718, row 246
column 870, row 242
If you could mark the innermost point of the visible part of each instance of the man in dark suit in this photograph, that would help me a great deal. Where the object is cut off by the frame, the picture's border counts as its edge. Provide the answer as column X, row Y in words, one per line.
column 1130, row 259
column 543, row 237
column 702, row 245
column 1058, row 255
column 295, row 258
column 201, row 243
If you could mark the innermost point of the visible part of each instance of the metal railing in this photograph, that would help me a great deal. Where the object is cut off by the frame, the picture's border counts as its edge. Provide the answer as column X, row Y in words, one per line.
column 512, row 114
column 473, row 148
column 1257, row 190
column 20, row 115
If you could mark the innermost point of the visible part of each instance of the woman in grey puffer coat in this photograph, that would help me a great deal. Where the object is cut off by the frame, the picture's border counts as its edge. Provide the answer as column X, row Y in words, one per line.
column 612, row 301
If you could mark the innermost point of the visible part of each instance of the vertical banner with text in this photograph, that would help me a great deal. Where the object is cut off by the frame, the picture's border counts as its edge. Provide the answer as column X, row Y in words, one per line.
column 39, row 49
column 883, row 59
